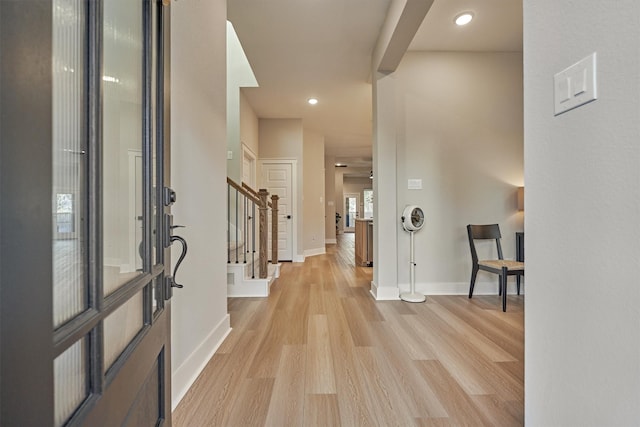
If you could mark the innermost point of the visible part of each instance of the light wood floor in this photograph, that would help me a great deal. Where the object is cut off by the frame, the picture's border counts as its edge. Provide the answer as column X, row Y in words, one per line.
column 320, row 351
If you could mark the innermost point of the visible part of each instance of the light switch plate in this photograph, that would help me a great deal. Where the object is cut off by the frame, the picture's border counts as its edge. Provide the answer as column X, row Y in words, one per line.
column 576, row 85
column 414, row 184
column 229, row 155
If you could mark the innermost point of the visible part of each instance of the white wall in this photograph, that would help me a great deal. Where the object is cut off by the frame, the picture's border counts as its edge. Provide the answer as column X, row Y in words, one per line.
column 385, row 234
column 582, row 350
column 239, row 74
column 249, row 126
column 283, row 139
column 313, row 195
column 330, row 205
column 459, row 130
column 338, row 194
column 198, row 169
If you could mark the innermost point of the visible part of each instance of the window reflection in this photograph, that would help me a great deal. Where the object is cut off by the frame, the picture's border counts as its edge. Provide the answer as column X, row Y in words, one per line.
column 69, row 160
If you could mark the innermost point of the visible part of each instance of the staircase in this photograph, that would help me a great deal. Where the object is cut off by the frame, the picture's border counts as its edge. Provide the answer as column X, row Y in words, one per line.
column 242, row 276
column 249, row 273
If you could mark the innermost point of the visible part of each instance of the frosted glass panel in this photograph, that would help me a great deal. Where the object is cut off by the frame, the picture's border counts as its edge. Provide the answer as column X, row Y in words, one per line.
column 122, row 138
column 69, row 160
column 120, row 327
column 70, row 381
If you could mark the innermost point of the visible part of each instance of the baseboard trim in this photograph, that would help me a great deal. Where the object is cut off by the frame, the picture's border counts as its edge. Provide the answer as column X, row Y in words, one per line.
column 384, row 293
column 298, row 258
column 330, row 241
column 314, row 252
column 460, row 288
column 186, row 374
column 250, row 288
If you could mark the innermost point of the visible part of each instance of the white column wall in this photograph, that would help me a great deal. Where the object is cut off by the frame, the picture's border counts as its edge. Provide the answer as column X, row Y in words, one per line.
column 338, row 196
column 385, row 224
column 330, row 202
column 582, row 172
column 198, row 174
column 313, row 194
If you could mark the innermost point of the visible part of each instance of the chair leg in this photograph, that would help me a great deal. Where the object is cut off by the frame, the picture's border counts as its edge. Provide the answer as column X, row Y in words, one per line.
column 499, row 285
column 474, row 273
column 503, row 279
column 518, row 284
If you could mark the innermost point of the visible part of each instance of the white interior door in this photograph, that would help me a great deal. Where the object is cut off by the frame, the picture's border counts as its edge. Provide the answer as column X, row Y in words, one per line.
column 277, row 178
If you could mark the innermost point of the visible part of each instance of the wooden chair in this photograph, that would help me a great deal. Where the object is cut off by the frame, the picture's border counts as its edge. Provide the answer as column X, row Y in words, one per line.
column 503, row 268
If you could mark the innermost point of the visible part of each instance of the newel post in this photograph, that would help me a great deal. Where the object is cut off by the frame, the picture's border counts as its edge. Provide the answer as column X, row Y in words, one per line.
column 274, row 228
column 264, row 232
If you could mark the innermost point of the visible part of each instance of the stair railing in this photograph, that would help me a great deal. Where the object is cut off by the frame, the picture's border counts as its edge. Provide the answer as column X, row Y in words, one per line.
column 242, row 201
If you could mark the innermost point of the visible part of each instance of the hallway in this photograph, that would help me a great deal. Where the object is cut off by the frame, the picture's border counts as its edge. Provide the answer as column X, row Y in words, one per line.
column 320, row 351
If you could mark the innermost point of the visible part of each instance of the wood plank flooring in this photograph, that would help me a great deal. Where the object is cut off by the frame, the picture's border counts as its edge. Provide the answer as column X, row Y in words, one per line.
column 320, row 351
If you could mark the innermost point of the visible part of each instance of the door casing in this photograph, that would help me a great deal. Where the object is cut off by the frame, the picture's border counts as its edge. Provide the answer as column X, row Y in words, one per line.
column 294, row 199
column 348, row 196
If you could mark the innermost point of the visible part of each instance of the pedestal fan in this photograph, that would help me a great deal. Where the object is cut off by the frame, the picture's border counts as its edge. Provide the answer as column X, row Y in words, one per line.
column 412, row 221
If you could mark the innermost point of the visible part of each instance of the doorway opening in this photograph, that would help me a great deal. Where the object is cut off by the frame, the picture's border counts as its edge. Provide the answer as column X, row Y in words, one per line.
column 351, row 211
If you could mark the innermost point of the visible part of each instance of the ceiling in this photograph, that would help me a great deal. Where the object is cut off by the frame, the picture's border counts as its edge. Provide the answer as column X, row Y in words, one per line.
column 322, row 48
column 496, row 27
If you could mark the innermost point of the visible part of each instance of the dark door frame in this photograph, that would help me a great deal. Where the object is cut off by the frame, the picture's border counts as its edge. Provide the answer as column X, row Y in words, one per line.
column 26, row 345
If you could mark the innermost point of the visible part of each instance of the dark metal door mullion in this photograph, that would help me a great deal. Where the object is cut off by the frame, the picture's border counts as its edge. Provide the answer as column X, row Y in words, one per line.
column 147, row 158
column 95, row 217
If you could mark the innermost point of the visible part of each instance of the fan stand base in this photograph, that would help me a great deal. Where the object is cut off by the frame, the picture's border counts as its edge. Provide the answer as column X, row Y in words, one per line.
column 412, row 297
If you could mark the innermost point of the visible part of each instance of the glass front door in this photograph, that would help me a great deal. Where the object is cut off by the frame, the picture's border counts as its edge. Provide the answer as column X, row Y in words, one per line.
column 93, row 267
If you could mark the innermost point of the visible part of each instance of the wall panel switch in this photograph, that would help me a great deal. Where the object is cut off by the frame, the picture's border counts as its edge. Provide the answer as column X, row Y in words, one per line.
column 575, row 85
column 414, row 184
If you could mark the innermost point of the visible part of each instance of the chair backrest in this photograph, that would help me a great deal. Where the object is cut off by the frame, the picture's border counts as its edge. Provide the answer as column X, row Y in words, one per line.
column 483, row 232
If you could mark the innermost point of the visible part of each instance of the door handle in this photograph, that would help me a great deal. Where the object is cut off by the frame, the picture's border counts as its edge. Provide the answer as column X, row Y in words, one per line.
column 288, row 216
column 173, row 283
column 169, row 238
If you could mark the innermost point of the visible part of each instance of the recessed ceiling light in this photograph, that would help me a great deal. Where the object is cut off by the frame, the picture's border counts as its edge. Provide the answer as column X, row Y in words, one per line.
column 312, row 101
column 464, row 18
column 340, row 165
